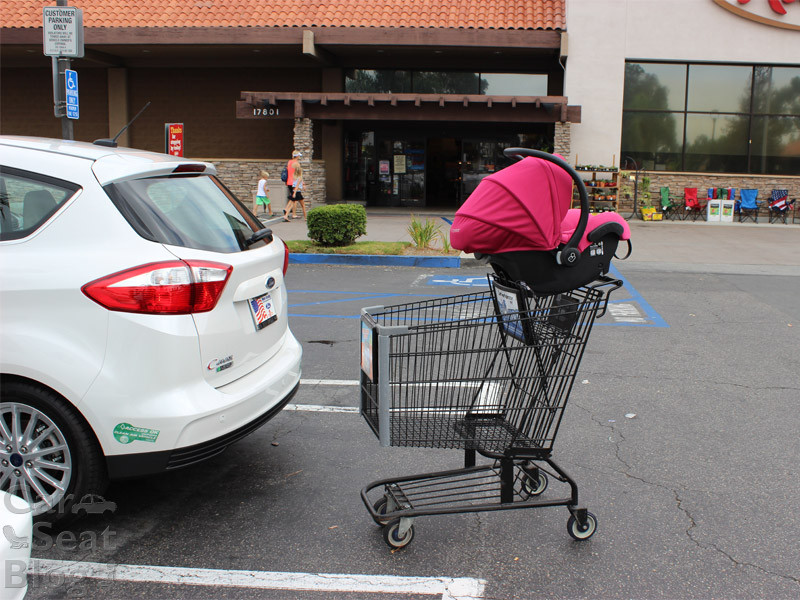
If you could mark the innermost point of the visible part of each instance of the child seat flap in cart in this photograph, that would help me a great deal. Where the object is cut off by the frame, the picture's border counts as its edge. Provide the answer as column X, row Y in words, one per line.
column 490, row 373
column 519, row 218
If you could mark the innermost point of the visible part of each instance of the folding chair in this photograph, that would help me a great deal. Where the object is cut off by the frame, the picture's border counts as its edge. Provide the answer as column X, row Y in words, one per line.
column 779, row 206
column 748, row 207
column 693, row 208
column 670, row 209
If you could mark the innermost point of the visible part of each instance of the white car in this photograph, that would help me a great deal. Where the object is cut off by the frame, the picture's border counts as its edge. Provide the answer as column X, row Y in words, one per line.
column 143, row 318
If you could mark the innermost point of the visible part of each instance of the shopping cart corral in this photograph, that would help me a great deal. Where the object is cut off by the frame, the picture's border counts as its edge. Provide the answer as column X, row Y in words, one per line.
column 489, row 373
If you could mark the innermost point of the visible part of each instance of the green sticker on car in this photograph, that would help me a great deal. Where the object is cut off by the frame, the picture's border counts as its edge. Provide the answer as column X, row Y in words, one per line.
column 125, row 433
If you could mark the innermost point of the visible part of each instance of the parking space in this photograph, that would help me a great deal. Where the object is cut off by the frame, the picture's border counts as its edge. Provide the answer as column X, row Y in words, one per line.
column 680, row 460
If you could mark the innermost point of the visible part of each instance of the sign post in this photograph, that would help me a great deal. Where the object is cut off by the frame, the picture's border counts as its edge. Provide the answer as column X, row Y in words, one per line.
column 63, row 39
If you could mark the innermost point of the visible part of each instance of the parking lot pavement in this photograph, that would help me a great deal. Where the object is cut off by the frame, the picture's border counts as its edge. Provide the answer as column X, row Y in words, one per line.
column 682, row 440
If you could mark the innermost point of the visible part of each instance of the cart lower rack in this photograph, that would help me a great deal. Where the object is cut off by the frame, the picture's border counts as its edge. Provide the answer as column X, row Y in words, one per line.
column 489, row 373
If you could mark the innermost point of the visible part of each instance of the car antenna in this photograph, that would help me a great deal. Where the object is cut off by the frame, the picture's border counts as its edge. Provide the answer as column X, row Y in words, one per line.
column 112, row 143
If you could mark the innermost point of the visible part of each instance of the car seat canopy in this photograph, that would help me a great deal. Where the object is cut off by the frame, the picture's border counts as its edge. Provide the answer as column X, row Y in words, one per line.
column 518, row 208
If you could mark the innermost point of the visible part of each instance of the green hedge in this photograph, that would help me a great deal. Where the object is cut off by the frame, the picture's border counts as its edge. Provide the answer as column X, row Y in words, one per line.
column 337, row 224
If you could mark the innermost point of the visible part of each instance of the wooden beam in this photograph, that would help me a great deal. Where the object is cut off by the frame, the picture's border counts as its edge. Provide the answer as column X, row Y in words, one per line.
column 311, row 50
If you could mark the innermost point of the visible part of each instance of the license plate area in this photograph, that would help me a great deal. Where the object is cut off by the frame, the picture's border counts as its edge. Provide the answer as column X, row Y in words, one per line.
column 263, row 311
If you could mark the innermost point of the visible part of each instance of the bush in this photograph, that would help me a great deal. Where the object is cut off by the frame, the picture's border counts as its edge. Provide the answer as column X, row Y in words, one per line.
column 337, row 224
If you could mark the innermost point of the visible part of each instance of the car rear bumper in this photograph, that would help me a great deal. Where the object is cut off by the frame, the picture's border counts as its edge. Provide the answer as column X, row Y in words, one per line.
column 126, row 466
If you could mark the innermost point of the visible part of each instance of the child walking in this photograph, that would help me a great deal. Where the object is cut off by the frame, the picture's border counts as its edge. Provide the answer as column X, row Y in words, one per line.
column 298, row 186
column 262, row 194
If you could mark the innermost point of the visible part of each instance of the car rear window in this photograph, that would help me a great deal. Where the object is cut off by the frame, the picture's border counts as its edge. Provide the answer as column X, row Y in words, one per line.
column 187, row 211
column 28, row 200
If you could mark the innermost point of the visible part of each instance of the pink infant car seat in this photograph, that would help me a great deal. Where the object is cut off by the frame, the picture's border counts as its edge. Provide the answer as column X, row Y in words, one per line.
column 520, row 219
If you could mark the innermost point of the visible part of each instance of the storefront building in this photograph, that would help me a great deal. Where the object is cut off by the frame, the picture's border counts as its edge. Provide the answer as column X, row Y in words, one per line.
column 411, row 104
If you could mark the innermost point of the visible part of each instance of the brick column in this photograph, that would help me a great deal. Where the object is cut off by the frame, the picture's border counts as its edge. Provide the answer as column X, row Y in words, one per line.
column 561, row 143
column 314, row 178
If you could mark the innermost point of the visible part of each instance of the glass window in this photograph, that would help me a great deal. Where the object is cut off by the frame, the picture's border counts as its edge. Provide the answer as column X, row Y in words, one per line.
column 28, row 200
column 378, row 81
column 722, row 88
column 444, row 82
column 654, row 86
column 192, row 212
column 777, row 91
column 716, row 143
column 513, row 84
column 776, row 146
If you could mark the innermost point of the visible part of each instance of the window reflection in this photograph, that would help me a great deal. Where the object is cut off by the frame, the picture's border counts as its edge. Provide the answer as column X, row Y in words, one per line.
column 777, row 91
column 723, row 88
column 513, row 84
column 776, row 145
column 738, row 118
column 383, row 81
column 654, row 86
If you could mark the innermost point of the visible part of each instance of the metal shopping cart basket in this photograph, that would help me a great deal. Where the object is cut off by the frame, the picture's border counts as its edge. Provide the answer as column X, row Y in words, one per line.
column 489, row 373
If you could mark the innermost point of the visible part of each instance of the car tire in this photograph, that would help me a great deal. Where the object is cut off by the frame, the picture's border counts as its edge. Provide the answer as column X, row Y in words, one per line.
column 77, row 466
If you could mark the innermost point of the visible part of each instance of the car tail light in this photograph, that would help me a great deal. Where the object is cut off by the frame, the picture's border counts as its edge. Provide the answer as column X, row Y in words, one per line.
column 285, row 257
column 173, row 287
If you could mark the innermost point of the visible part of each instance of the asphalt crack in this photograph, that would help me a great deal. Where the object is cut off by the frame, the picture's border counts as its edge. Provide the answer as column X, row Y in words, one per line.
column 678, row 501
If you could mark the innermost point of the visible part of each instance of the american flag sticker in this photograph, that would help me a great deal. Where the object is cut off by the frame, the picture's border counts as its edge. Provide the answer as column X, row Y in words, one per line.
column 263, row 311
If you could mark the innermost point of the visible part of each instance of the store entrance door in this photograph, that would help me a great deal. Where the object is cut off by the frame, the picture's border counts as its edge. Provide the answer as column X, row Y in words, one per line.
column 443, row 173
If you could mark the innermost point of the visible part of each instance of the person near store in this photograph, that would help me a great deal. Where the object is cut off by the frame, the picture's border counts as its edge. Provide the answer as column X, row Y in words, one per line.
column 262, row 194
column 293, row 163
column 298, row 187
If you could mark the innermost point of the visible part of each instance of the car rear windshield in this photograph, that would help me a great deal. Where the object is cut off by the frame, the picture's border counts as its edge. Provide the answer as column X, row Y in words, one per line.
column 188, row 211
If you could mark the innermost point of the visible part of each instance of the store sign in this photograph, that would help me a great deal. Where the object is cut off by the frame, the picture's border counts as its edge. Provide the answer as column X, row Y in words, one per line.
column 173, row 132
column 778, row 13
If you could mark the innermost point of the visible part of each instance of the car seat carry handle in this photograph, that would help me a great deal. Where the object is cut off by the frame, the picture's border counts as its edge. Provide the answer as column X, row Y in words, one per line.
column 569, row 254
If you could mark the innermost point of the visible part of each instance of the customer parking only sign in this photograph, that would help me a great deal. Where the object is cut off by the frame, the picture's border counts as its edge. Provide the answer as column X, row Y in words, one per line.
column 63, row 31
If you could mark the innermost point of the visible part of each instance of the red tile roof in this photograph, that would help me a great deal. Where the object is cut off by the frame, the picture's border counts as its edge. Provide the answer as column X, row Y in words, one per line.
column 442, row 14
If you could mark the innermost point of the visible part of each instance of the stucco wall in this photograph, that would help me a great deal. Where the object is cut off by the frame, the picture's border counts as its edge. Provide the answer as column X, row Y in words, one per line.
column 604, row 33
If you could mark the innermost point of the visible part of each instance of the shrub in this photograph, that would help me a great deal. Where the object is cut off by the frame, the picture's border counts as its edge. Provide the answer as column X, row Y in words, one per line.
column 337, row 224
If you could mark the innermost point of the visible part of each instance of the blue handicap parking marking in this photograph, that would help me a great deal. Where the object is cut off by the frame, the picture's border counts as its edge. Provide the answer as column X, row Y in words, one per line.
column 628, row 307
column 459, row 281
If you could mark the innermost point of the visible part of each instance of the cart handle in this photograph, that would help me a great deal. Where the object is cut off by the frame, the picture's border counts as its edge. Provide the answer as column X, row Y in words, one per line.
column 568, row 255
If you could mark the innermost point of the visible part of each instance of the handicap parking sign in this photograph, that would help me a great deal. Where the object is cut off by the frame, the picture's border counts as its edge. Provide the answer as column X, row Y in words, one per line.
column 73, row 110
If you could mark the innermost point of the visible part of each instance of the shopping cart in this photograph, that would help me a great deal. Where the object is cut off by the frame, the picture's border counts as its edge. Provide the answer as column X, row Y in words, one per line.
column 489, row 373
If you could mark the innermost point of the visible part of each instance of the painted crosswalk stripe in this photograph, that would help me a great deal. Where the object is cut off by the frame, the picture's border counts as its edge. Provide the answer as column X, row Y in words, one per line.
column 446, row 588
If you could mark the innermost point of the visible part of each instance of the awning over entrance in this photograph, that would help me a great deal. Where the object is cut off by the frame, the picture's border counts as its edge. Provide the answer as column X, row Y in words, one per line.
column 406, row 107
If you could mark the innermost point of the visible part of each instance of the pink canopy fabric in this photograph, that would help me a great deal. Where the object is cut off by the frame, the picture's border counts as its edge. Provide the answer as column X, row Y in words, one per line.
column 518, row 208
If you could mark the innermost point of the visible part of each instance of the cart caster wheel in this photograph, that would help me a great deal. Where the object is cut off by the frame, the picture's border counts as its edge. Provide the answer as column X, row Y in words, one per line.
column 392, row 537
column 582, row 533
column 381, row 507
column 534, row 487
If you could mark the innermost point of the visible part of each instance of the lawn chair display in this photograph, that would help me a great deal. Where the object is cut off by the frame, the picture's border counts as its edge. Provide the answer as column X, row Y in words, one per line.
column 779, row 206
column 693, row 209
column 748, row 205
column 519, row 219
column 671, row 209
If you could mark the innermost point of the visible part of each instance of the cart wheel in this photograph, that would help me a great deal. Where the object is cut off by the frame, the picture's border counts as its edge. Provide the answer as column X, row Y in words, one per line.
column 582, row 533
column 534, row 487
column 381, row 507
column 392, row 537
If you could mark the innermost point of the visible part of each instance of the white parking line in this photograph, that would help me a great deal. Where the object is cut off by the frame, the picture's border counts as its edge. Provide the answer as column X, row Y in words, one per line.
column 321, row 408
column 329, row 381
column 447, row 588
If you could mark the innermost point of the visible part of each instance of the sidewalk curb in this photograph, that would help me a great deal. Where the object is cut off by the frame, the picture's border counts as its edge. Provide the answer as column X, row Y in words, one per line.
column 438, row 262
